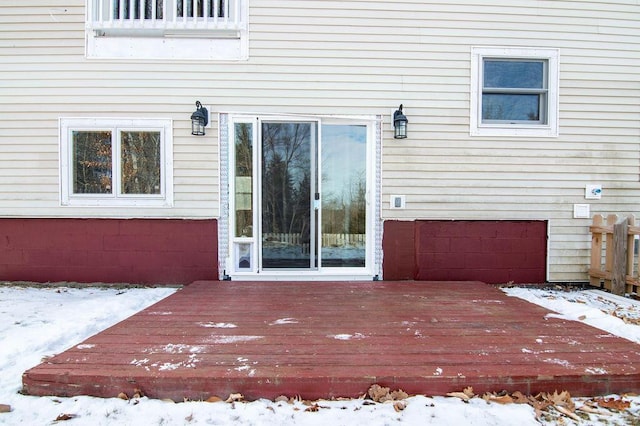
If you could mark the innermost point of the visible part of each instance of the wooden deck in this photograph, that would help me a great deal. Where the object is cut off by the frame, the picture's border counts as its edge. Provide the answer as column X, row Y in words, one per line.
column 323, row 340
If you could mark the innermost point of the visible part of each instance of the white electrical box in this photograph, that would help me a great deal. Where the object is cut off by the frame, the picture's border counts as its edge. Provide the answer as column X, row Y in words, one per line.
column 581, row 211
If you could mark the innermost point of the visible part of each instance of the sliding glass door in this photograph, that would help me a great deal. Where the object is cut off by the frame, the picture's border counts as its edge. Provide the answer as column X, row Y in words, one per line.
column 303, row 186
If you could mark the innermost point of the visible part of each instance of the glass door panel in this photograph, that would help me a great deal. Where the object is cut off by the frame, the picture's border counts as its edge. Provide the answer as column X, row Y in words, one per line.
column 344, row 189
column 288, row 167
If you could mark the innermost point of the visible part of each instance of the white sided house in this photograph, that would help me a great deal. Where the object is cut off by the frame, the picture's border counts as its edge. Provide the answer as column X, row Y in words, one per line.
column 522, row 122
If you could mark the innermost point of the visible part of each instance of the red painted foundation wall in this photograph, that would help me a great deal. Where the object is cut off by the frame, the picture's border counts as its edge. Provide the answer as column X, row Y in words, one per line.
column 145, row 251
column 490, row 251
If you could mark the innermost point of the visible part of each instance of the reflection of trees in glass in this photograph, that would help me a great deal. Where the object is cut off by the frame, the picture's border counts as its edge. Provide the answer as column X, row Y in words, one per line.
column 244, row 149
column 344, row 179
column 344, row 212
column 510, row 107
column 243, row 174
column 286, row 166
column 140, row 162
column 92, row 162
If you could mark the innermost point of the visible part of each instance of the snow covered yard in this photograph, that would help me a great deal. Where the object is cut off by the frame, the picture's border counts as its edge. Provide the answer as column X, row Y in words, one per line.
column 39, row 322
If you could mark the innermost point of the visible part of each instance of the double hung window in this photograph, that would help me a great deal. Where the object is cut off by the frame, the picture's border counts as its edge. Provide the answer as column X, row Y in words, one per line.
column 108, row 162
column 514, row 92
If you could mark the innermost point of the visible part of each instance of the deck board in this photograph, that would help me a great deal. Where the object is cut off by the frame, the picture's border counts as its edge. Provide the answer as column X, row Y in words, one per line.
column 335, row 339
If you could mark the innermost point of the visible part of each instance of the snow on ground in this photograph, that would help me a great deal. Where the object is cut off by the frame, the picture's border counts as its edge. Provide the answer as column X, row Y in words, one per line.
column 39, row 322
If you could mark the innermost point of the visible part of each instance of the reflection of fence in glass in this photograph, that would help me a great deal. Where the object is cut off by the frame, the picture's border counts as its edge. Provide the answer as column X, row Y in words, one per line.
column 328, row 240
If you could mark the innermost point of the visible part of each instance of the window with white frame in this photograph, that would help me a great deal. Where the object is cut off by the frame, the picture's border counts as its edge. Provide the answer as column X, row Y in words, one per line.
column 116, row 162
column 514, row 92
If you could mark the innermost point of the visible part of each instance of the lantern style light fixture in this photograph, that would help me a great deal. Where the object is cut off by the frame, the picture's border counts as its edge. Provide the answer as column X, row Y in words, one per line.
column 199, row 120
column 399, row 124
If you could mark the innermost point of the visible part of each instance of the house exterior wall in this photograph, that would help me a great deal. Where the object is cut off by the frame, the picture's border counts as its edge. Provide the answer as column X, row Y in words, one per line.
column 349, row 58
column 466, row 250
column 141, row 251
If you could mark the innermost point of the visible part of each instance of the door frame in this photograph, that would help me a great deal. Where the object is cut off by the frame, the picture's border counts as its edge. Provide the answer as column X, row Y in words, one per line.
column 229, row 244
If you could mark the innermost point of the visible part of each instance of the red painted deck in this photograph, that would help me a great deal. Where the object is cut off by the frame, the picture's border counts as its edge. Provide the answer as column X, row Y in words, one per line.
column 322, row 340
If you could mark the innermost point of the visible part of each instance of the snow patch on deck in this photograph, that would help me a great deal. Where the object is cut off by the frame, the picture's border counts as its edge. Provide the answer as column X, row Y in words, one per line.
column 86, row 346
column 346, row 336
column 217, row 325
column 231, row 339
column 177, row 348
column 562, row 362
column 282, row 321
column 189, row 362
column 246, row 366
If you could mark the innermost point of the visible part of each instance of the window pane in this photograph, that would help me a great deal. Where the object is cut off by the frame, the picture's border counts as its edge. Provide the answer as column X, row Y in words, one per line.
column 344, row 189
column 511, row 107
column 287, row 183
column 244, row 182
column 91, row 162
column 140, row 162
column 514, row 74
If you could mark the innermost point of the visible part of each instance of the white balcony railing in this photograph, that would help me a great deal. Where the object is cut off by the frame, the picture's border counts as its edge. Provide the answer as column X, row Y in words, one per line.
column 193, row 18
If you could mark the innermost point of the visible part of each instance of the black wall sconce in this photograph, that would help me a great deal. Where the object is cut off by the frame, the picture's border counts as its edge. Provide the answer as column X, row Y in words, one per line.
column 399, row 124
column 199, row 120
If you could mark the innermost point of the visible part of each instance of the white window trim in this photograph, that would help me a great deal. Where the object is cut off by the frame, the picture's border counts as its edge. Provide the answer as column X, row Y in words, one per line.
column 550, row 129
column 68, row 198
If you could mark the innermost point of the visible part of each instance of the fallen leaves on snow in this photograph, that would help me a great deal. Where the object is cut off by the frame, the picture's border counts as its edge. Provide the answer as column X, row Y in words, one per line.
column 542, row 402
column 64, row 417
column 235, row 397
column 547, row 403
column 612, row 403
column 465, row 395
column 382, row 394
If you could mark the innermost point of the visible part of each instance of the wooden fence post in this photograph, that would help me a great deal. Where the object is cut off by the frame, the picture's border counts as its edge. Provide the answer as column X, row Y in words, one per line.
column 608, row 251
column 619, row 255
column 596, row 250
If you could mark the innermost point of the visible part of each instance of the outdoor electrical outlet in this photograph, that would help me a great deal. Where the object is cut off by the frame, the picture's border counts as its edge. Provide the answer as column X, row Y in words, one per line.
column 593, row 192
column 397, row 201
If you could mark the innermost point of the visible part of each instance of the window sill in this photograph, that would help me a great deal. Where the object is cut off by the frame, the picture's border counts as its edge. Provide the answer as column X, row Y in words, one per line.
column 111, row 202
column 515, row 131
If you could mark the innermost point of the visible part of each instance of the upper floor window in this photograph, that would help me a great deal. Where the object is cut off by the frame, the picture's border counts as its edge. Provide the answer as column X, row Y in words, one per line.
column 514, row 92
column 107, row 162
column 167, row 29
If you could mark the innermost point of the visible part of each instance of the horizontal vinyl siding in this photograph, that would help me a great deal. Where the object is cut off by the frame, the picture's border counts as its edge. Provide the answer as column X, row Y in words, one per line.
column 360, row 58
